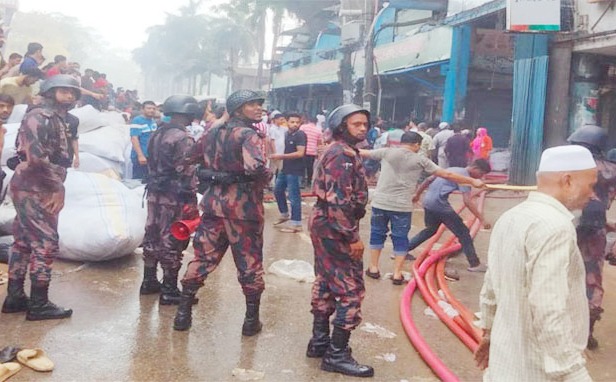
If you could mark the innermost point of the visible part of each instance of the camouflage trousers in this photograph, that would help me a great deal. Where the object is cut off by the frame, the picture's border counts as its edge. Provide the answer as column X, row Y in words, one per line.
column 339, row 283
column 35, row 231
column 159, row 245
column 592, row 244
column 213, row 238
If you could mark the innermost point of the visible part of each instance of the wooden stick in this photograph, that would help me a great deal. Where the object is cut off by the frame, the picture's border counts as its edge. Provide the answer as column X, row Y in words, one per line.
column 510, row 187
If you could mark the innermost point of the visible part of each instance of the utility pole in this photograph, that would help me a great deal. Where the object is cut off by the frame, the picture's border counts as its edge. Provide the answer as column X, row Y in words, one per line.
column 346, row 74
column 369, row 97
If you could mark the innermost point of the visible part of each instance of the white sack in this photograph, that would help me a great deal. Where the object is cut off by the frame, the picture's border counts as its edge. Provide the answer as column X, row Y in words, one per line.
column 107, row 142
column 112, row 118
column 9, row 150
column 7, row 210
column 89, row 118
column 101, row 220
column 92, row 163
column 18, row 114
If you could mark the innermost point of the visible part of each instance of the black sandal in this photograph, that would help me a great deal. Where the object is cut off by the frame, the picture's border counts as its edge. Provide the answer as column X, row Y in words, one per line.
column 399, row 281
column 375, row 275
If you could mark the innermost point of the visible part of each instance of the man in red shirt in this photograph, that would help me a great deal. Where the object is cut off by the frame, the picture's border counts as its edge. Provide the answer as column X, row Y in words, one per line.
column 314, row 136
column 58, row 67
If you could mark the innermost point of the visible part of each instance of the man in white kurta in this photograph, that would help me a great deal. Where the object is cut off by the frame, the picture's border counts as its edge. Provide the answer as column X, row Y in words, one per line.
column 533, row 302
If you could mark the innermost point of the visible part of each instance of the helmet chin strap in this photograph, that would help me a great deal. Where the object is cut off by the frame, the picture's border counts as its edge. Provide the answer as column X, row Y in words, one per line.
column 348, row 138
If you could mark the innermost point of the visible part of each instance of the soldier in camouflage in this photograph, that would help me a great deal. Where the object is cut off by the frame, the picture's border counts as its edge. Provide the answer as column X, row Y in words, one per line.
column 171, row 190
column 235, row 174
column 342, row 194
column 38, row 194
column 592, row 227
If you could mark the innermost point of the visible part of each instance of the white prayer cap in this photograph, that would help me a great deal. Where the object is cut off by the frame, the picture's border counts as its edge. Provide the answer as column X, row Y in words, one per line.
column 443, row 125
column 275, row 114
column 566, row 158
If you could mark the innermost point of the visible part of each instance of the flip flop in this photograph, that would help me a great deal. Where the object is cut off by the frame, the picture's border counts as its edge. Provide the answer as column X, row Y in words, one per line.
column 291, row 230
column 35, row 359
column 8, row 354
column 375, row 275
column 9, row 369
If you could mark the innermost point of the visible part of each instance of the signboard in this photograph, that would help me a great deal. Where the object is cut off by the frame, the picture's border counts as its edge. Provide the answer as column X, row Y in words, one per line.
column 533, row 15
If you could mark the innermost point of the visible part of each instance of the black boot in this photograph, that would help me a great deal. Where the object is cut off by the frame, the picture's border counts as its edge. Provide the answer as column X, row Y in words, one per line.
column 320, row 337
column 150, row 284
column 169, row 292
column 40, row 308
column 183, row 317
column 16, row 300
column 338, row 357
column 252, row 325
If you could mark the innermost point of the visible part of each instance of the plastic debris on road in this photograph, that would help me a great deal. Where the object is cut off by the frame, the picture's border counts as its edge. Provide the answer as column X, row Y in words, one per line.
column 378, row 330
column 387, row 357
column 298, row 270
column 430, row 313
column 247, row 374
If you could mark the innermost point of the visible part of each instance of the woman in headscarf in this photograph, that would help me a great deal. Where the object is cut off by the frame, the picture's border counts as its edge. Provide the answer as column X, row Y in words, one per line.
column 482, row 144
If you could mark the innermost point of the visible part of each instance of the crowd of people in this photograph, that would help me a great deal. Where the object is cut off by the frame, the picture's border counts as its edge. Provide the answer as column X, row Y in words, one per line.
column 534, row 294
column 19, row 76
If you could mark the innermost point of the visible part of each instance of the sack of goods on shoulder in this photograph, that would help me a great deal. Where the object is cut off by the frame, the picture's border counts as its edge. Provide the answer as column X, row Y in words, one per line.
column 102, row 219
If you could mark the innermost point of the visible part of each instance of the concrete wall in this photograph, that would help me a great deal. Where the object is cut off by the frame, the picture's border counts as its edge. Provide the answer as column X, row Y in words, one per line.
column 588, row 14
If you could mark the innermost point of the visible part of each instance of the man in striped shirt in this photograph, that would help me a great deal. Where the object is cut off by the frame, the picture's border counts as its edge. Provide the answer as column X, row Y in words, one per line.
column 313, row 140
column 534, row 311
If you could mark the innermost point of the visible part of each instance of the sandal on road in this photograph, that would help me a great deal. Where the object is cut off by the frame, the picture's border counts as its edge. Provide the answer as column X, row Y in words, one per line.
column 281, row 220
column 373, row 275
column 291, row 229
column 35, row 359
column 9, row 369
column 9, row 353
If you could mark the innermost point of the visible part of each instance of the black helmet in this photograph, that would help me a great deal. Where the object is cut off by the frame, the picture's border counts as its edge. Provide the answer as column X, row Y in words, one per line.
column 60, row 81
column 241, row 97
column 335, row 118
column 181, row 104
column 591, row 136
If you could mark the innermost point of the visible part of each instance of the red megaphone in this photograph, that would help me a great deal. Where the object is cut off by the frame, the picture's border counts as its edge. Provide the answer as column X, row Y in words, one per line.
column 182, row 229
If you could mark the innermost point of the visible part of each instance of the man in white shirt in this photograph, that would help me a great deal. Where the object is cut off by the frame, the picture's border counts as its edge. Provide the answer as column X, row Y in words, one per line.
column 534, row 310
column 277, row 131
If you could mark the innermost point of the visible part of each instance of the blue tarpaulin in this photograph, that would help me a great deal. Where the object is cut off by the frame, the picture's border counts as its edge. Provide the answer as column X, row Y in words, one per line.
column 530, row 76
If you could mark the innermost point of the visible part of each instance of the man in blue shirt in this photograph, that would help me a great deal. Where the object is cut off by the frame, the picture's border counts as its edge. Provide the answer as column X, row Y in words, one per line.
column 142, row 127
column 34, row 57
column 437, row 210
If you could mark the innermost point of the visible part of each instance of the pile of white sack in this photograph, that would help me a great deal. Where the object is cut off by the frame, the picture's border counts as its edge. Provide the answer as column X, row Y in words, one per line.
column 102, row 218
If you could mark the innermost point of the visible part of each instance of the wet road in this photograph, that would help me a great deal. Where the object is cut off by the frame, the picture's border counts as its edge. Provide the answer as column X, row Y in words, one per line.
column 116, row 335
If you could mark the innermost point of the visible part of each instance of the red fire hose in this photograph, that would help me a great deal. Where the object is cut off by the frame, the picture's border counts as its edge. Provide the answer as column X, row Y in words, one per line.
column 428, row 271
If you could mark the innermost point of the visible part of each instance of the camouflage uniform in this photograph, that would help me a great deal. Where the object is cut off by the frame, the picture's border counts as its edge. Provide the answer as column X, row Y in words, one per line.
column 591, row 234
column 232, row 213
column 171, row 194
column 342, row 192
column 43, row 142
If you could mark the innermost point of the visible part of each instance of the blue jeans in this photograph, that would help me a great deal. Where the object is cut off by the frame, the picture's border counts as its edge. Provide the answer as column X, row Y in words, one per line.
column 400, row 227
column 453, row 221
column 292, row 183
